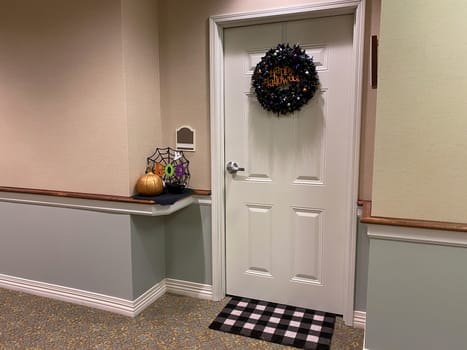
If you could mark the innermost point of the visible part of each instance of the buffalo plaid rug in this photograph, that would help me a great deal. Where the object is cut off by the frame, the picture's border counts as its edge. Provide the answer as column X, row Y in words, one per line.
column 277, row 323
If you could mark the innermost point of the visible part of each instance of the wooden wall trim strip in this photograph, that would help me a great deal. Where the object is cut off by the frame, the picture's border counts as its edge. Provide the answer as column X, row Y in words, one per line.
column 202, row 192
column 80, row 195
column 94, row 196
column 367, row 218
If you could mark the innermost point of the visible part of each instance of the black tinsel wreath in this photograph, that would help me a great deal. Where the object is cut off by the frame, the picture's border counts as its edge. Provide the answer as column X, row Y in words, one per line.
column 285, row 79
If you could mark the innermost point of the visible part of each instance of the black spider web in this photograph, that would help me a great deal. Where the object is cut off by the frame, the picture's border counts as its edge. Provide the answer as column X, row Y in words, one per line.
column 175, row 160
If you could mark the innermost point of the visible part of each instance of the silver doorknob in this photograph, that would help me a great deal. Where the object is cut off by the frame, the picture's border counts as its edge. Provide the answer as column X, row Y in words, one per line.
column 233, row 167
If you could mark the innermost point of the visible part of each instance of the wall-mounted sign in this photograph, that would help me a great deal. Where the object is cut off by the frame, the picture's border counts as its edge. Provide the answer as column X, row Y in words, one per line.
column 185, row 138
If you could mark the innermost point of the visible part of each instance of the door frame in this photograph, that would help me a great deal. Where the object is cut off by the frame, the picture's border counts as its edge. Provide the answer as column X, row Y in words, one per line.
column 217, row 24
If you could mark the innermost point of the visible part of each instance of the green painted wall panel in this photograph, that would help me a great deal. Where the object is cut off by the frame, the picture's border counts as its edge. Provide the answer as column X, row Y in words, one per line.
column 188, row 244
column 147, row 252
column 417, row 296
column 80, row 249
column 361, row 268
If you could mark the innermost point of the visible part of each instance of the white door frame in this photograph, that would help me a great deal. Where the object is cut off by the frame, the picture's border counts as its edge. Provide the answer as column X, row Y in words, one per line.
column 217, row 24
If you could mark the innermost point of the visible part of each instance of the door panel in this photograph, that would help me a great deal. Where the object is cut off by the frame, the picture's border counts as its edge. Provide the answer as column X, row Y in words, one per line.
column 259, row 239
column 306, row 232
column 308, row 140
column 259, row 148
column 286, row 214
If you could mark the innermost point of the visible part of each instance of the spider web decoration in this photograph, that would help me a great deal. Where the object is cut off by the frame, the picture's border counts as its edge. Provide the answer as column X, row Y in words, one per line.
column 171, row 165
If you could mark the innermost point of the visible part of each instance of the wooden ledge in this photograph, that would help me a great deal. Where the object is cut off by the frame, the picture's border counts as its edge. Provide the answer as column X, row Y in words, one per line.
column 98, row 202
column 367, row 218
column 80, row 195
column 94, row 196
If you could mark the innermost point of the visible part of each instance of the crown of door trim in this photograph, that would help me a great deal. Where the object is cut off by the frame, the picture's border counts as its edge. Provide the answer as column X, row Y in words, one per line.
column 217, row 24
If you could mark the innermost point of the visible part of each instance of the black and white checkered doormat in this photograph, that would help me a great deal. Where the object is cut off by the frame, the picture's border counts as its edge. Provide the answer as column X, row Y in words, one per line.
column 277, row 323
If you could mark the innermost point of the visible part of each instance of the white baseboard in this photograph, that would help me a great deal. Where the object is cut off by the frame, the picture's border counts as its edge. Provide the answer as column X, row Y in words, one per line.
column 359, row 319
column 76, row 296
column 190, row 289
column 148, row 297
column 121, row 306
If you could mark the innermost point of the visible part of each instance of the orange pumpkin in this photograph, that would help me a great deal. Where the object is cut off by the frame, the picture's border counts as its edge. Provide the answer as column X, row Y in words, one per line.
column 149, row 184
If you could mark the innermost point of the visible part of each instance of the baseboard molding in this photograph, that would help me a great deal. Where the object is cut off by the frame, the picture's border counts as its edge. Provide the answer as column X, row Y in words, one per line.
column 359, row 319
column 148, row 297
column 76, row 296
column 190, row 289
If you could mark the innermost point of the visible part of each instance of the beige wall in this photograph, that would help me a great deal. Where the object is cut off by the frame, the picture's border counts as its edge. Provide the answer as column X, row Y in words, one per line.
column 367, row 137
column 185, row 78
column 142, row 89
column 421, row 143
column 78, row 93
column 80, row 98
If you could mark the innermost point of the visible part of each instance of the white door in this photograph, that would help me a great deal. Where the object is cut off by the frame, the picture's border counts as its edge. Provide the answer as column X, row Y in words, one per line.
column 288, row 213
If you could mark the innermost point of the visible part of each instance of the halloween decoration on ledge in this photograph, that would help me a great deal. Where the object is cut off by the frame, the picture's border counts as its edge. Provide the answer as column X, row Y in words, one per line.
column 285, row 79
column 172, row 166
column 149, row 184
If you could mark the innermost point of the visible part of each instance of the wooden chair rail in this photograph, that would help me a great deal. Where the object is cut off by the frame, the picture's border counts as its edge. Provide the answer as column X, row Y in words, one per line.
column 95, row 196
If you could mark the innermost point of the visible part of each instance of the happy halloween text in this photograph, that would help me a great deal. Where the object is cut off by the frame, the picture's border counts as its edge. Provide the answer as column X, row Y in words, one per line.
column 281, row 76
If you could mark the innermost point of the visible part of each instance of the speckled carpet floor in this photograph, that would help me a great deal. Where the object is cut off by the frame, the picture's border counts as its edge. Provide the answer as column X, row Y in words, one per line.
column 172, row 322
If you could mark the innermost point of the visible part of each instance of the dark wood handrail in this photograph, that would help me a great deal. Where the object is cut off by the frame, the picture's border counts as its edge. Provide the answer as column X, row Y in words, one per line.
column 367, row 218
column 95, row 196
